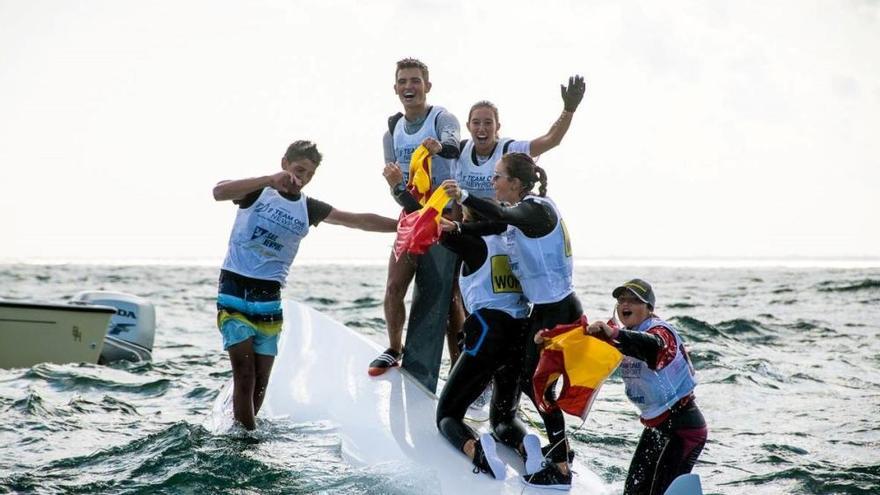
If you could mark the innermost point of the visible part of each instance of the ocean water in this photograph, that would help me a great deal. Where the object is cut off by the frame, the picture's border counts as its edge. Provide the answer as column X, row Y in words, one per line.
column 788, row 362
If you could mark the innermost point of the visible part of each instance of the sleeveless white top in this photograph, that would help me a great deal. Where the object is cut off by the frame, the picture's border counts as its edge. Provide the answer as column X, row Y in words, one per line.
column 266, row 235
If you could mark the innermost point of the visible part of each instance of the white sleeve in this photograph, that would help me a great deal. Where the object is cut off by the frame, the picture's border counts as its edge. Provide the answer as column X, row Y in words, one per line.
column 520, row 147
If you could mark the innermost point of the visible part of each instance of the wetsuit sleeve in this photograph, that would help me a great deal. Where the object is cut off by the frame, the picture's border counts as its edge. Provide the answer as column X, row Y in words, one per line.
column 471, row 248
column 388, row 148
column 317, row 211
column 407, row 201
column 248, row 200
column 645, row 346
column 483, row 228
column 449, row 134
column 533, row 219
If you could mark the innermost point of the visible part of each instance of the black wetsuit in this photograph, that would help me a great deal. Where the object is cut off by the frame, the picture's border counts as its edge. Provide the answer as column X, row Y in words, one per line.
column 498, row 357
column 534, row 220
column 671, row 443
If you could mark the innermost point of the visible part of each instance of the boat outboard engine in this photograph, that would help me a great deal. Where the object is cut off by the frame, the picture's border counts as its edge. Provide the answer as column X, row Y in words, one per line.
column 132, row 329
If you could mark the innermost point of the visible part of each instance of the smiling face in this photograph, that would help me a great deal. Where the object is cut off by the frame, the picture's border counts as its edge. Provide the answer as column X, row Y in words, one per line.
column 631, row 310
column 507, row 189
column 411, row 88
column 302, row 168
column 483, row 126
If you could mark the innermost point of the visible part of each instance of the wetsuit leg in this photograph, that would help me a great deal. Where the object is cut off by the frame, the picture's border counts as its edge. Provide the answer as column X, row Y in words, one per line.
column 687, row 434
column 568, row 310
column 469, row 377
column 667, row 452
column 640, row 477
column 505, row 397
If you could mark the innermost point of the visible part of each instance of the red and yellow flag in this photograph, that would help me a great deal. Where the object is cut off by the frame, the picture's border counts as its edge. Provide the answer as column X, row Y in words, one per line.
column 583, row 362
column 419, row 184
column 417, row 231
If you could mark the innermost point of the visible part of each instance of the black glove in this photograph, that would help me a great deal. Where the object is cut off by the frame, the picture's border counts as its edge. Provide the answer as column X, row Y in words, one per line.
column 574, row 93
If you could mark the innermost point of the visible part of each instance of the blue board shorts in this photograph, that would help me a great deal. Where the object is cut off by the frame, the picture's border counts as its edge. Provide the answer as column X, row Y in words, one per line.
column 249, row 308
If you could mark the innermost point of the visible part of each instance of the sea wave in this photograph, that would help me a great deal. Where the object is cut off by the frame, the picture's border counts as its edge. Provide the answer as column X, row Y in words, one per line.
column 87, row 377
column 848, row 286
column 821, row 478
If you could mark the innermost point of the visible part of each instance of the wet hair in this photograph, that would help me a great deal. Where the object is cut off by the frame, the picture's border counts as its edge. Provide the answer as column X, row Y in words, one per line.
column 412, row 63
column 521, row 166
column 484, row 104
column 303, row 149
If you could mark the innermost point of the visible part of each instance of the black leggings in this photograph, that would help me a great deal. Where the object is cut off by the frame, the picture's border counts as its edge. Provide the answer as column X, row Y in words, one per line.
column 492, row 350
column 568, row 310
column 666, row 452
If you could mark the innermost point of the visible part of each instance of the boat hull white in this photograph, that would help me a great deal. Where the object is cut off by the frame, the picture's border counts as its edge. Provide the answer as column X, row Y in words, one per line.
column 385, row 423
column 32, row 333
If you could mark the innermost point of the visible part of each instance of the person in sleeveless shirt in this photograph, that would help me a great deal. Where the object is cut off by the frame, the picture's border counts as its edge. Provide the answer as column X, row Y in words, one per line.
column 437, row 129
column 273, row 217
column 494, row 334
column 476, row 163
column 540, row 255
column 659, row 379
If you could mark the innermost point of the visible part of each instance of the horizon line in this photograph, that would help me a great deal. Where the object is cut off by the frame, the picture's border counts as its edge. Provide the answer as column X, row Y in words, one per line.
column 690, row 262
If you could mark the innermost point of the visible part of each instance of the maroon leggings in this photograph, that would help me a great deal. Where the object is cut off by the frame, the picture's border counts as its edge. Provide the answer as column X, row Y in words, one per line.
column 666, row 452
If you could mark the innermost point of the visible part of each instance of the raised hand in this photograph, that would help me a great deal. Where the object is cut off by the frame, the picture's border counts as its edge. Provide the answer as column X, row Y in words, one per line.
column 600, row 329
column 392, row 173
column 284, row 181
column 452, row 189
column 573, row 93
column 433, row 145
column 447, row 225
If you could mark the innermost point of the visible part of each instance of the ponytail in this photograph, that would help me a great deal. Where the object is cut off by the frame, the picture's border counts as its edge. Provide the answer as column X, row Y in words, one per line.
column 542, row 179
column 521, row 166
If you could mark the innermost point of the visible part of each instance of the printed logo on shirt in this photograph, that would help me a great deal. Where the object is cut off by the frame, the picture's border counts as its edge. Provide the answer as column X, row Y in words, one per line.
column 404, row 155
column 503, row 279
column 476, row 183
column 567, row 239
column 267, row 239
column 630, row 369
column 638, row 399
column 280, row 217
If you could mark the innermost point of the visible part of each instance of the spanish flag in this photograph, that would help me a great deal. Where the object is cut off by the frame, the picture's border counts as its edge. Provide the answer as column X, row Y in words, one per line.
column 417, row 231
column 419, row 184
column 583, row 362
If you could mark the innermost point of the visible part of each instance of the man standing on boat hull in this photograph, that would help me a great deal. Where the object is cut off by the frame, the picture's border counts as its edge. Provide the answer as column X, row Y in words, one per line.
column 439, row 131
column 273, row 217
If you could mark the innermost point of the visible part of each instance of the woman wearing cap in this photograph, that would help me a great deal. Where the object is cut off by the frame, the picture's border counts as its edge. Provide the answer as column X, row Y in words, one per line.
column 540, row 256
column 659, row 380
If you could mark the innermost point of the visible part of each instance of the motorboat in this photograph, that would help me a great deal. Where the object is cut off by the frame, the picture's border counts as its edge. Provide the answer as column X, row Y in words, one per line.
column 94, row 327
column 32, row 333
column 132, row 329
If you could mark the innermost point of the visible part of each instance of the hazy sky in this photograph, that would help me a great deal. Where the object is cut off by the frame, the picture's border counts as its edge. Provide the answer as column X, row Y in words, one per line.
column 731, row 129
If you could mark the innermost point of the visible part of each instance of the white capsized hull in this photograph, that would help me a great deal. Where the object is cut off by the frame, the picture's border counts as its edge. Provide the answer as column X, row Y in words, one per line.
column 388, row 422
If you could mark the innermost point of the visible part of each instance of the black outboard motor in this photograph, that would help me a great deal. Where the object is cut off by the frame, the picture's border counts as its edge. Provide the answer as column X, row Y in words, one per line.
column 132, row 329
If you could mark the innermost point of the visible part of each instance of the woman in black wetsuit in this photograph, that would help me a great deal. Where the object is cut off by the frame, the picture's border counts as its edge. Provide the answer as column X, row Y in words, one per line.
column 494, row 336
column 540, row 257
column 660, row 381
